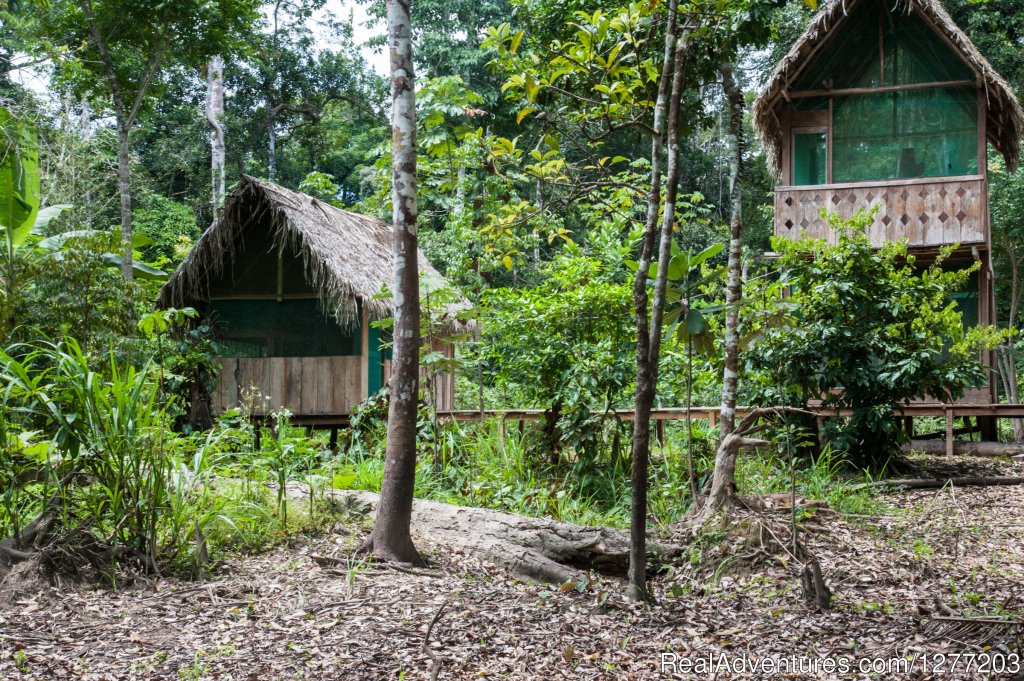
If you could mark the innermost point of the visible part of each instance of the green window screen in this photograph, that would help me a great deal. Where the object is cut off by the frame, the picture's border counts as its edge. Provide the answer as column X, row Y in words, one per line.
column 809, row 158
column 967, row 302
column 911, row 52
column 268, row 328
column 375, row 374
column 917, row 133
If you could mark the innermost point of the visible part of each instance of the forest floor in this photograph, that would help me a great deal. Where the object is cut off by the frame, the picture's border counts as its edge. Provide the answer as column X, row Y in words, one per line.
column 281, row 615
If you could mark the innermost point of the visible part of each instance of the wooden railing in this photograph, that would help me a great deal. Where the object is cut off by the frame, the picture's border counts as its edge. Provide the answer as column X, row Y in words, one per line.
column 926, row 212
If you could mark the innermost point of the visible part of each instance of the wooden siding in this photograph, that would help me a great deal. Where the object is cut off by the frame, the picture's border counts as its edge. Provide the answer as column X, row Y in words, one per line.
column 928, row 212
column 309, row 386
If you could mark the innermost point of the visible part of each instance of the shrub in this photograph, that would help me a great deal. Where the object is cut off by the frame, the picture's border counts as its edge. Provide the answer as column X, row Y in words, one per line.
column 866, row 329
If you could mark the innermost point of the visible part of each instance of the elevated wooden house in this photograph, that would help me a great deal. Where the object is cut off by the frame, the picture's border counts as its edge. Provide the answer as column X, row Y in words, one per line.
column 889, row 103
column 289, row 285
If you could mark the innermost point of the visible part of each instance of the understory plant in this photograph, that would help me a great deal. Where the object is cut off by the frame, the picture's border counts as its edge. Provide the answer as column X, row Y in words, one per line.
column 118, row 486
column 868, row 329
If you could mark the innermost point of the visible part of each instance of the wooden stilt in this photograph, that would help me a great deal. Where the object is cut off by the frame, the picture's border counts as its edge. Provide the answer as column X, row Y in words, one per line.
column 333, row 444
column 949, row 432
column 988, row 429
column 908, row 426
column 660, row 428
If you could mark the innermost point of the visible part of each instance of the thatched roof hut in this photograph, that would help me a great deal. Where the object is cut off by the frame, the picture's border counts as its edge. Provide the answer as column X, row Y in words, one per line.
column 346, row 256
column 1005, row 120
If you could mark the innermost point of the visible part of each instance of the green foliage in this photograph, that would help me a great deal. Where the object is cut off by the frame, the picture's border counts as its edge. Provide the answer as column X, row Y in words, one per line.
column 565, row 345
column 19, row 179
column 70, row 286
column 869, row 330
column 108, row 430
column 145, row 42
column 321, row 186
column 170, row 227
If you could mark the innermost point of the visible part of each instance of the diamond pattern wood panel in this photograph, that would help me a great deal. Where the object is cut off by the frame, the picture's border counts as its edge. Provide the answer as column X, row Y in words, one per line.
column 928, row 214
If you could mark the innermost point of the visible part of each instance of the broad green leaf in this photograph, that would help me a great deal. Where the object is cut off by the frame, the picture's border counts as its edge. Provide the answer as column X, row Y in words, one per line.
column 531, row 87
column 524, row 113
column 679, row 266
column 516, row 39
column 19, row 178
column 46, row 215
column 140, row 240
column 57, row 241
column 709, row 252
column 141, row 269
column 695, row 323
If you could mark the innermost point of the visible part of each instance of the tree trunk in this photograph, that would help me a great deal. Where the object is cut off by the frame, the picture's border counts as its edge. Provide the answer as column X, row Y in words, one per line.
column 1009, row 358
column 125, row 189
column 646, row 374
column 214, row 116
column 723, row 481
column 271, row 144
column 391, row 539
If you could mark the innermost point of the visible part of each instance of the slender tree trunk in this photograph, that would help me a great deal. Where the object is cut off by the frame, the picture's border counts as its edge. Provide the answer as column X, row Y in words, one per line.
column 214, row 116
column 723, row 481
column 271, row 144
column 1010, row 354
column 646, row 361
column 125, row 189
column 391, row 539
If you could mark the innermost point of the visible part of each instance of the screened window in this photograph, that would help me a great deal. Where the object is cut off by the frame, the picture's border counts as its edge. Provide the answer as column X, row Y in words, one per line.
column 268, row 328
column 902, row 133
column 915, row 133
column 967, row 302
column 809, row 157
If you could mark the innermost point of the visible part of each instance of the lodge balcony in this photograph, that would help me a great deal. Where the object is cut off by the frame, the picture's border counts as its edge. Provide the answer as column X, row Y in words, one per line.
column 928, row 212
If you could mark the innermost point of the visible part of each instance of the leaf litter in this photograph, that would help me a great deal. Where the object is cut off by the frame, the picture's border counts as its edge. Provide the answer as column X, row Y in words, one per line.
column 941, row 572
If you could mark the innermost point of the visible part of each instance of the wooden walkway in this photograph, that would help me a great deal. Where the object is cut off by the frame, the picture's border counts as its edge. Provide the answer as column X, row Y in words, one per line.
column 711, row 413
column 661, row 415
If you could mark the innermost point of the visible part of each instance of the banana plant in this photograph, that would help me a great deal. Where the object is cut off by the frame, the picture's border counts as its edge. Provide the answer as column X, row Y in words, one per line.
column 23, row 221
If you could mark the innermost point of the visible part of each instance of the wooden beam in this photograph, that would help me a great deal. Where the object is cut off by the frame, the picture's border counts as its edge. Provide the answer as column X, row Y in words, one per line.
column 882, row 183
column 840, row 92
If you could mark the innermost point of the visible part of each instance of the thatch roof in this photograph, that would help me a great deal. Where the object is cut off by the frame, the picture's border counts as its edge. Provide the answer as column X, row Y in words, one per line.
column 1005, row 118
column 347, row 256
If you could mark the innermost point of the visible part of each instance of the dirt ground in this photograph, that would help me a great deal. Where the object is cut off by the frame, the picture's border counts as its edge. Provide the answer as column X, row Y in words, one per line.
column 940, row 576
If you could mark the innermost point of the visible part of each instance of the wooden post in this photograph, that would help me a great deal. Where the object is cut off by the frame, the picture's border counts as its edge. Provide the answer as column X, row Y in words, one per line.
column 501, row 430
column 949, row 432
column 908, row 425
column 660, row 428
column 333, row 444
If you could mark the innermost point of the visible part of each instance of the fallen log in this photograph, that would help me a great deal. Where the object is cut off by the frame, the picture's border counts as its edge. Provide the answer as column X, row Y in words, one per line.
column 987, row 449
column 938, row 483
column 538, row 549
